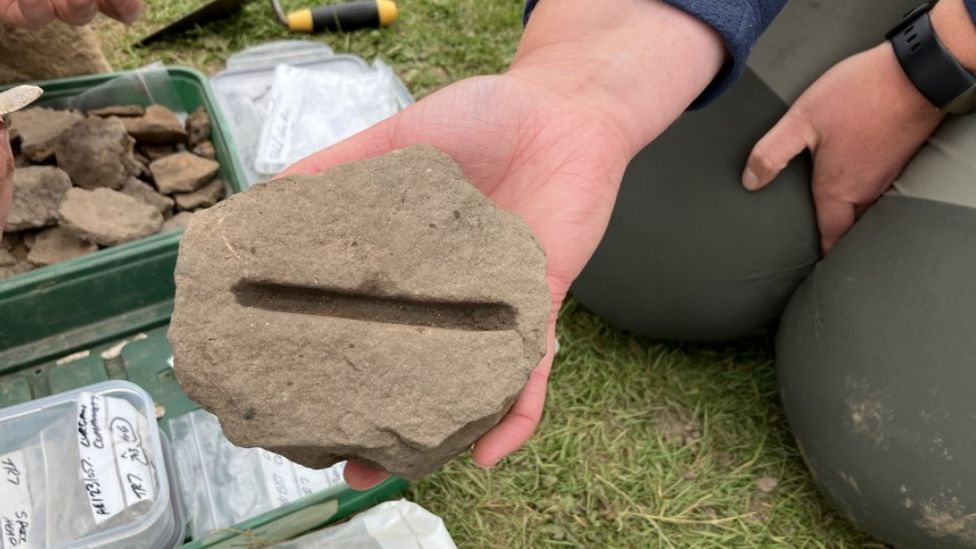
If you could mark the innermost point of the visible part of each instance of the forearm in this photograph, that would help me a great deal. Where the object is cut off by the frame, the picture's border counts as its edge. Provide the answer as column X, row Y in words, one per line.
column 638, row 65
column 953, row 23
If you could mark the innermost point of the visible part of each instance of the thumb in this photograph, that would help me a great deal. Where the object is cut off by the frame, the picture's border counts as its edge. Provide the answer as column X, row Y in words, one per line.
column 369, row 143
column 788, row 138
column 834, row 218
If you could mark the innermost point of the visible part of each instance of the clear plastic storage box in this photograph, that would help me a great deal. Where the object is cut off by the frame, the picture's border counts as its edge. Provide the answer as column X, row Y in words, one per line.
column 87, row 469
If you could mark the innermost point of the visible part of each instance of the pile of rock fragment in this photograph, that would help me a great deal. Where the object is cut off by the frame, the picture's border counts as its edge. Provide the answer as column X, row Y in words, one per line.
column 83, row 182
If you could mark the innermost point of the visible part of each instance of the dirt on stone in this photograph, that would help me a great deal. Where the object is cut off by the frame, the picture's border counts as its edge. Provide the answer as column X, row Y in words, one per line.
column 96, row 153
column 58, row 244
column 158, row 126
column 183, row 172
column 204, row 197
column 108, row 217
column 37, row 194
column 145, row 192
column 198, row 127
column 384, row 311
column 37, row 130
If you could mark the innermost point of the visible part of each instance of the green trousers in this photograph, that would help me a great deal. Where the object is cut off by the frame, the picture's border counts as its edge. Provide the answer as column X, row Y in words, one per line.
column 876, row 343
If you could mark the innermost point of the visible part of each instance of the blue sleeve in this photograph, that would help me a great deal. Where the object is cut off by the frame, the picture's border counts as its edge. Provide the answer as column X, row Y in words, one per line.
column 740, row 22
column 971, row 6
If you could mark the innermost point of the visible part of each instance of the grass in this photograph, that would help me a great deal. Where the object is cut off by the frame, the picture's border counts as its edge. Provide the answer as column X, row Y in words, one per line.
column 643, row 444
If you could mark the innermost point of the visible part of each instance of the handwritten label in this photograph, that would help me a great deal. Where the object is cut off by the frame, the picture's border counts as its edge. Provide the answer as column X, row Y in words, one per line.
column 15, row 502
column 116, row 470
column 287, row 482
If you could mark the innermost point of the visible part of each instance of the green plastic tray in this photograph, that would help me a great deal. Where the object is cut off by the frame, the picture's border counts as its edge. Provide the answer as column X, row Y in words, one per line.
column 60, row 306
column 60, row 324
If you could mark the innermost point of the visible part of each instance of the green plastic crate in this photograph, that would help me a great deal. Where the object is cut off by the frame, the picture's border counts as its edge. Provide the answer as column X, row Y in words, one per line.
column 57, row 322
column 71, row 301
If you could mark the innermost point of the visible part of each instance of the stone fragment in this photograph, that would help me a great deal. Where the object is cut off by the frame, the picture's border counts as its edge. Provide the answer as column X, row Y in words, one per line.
column 121, row 111
column 145, row 193
column 159, row 126
column 38, row 191
column 10, row 265
column 97, row 152
column 58, row 244
column 204, row 197
column 39, row 129
column 183, row 172
column 155, row 152
column 178, row 222
column 384, row 311
column 198, row 127
column 206, row 150
column 108, row 217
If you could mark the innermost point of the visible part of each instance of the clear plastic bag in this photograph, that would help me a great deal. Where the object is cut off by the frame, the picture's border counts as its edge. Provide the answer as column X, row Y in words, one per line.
column 245, row 89
column 311, row 110
column 224, row 485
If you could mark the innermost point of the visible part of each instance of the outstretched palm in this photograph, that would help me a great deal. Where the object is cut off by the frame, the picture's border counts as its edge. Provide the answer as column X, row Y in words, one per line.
column 552, row 162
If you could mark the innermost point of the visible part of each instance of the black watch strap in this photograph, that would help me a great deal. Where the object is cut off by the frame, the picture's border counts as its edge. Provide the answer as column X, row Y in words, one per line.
column 933, row 70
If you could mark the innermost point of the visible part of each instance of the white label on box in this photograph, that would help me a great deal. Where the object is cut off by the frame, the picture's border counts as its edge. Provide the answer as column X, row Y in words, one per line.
column 15, row 502
column 116, row 470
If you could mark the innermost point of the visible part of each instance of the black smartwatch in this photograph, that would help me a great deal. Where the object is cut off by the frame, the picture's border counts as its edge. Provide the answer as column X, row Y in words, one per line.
column 933, row 70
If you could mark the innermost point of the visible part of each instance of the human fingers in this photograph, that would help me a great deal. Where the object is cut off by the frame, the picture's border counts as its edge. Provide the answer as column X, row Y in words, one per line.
column 788, row 138
column 30, row 14
column 361, row 476
column 75, row 12
column 126, row 11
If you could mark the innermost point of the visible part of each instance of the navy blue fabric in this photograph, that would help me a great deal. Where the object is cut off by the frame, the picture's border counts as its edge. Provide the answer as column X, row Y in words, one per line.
column 740, row 22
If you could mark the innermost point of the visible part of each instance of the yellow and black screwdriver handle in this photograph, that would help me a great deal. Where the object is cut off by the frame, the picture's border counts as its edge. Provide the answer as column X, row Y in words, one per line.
column 350, row 16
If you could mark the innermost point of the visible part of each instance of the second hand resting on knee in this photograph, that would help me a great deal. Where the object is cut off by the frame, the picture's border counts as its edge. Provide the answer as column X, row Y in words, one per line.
column 863, row 120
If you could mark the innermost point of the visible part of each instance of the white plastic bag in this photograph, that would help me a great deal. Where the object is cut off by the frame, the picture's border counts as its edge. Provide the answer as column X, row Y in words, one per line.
column 391, row 525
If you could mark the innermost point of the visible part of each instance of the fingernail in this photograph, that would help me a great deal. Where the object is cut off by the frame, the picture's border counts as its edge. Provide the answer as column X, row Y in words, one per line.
column 750, row 180
column 129, row 16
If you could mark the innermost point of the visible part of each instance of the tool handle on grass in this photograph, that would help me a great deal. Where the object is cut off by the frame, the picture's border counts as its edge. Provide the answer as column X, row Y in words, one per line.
column 370, row 14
